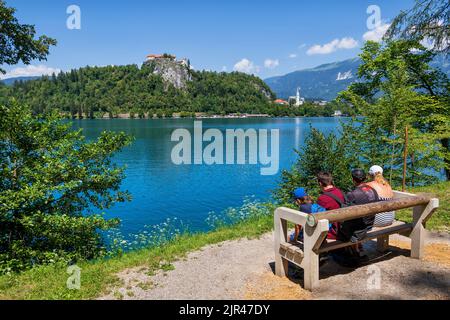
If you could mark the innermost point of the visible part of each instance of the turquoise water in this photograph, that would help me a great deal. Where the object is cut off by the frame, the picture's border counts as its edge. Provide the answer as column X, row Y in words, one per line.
column 162, row 190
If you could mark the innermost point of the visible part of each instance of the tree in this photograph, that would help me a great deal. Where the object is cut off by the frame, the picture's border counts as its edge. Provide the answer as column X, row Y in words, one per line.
column 379, row 58
column 428, row 19
column 53, row 185
column 17, row 41
column 332, row 153
column 398, row 89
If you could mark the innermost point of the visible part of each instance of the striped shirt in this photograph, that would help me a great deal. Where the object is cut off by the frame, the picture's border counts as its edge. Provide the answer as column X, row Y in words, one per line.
column 386, row 218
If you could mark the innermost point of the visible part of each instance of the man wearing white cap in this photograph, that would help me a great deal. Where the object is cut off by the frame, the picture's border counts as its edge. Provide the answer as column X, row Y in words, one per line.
column 384, row 190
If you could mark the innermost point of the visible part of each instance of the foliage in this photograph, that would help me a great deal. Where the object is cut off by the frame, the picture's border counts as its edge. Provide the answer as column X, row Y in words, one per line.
column 398, row 89
column 380, row 59
column 88, row 91
column 150, row 236
column 52, row 183
column 331, row 153
column 17, row 41
column 428, row 19
column 251, row 209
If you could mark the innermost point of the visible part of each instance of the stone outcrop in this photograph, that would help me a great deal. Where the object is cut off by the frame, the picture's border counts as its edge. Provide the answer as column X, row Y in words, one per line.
column 174, row 72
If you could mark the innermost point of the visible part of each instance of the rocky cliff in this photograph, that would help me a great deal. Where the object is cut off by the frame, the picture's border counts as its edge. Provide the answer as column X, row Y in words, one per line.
column 174, row 72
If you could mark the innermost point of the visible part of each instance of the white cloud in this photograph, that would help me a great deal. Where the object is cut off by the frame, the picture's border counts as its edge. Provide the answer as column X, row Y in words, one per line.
column 224, row 69
column 293, row 55
column 271, row 63
column 347, row 43
column 246, row 66
column 336, row 44
column 30, row 71
column 377, row 33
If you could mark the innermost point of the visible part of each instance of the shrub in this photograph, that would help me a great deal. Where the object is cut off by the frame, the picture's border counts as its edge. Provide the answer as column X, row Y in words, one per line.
column 52, row 185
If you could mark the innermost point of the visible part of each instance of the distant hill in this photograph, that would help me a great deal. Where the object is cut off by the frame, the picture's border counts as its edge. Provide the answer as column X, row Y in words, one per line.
column 327, row 80
column 324, row 81
column 162, row 87
column 10, row 81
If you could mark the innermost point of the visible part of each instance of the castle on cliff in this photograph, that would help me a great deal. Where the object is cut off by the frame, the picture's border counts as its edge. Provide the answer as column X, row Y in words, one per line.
column 165, row 56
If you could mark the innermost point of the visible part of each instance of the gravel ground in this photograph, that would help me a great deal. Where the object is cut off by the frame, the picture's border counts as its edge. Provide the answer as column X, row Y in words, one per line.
column 243, row 269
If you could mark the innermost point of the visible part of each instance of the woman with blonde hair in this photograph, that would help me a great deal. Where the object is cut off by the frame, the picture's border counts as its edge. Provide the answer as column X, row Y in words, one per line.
column 385, row 193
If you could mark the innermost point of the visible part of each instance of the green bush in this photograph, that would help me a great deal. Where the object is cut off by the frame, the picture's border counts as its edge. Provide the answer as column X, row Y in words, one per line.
column 331, row 153
column 52, row 185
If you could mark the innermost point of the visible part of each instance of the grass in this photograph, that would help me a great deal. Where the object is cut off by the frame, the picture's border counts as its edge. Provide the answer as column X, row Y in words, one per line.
column 49, row 282
column 440, row 220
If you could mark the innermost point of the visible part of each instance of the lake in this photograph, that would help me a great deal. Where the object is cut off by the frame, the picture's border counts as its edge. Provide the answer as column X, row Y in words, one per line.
column 162, row 190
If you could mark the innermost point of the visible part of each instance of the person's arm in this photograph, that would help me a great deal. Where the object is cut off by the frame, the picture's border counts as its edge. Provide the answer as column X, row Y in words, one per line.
column 298, row 228
column 350, row 197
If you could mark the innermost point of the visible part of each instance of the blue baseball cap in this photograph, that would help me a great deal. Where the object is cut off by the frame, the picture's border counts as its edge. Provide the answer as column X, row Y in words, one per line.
column 300, row 193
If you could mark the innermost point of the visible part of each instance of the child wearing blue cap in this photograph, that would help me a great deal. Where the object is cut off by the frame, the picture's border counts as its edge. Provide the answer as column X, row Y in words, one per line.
column 306, row 205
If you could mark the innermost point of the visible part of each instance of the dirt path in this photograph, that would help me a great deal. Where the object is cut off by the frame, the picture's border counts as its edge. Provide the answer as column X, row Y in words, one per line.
column 243, row 269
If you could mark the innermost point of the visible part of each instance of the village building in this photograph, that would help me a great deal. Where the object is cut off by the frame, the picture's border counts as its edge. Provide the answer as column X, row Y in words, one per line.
column 281, row 102
column 297, row 100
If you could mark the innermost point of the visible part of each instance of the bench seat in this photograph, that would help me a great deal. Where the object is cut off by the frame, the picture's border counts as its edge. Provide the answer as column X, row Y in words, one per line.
column 397, row 227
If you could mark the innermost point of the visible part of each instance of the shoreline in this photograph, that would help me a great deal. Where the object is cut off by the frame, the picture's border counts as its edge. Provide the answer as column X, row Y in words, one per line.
column 214, row 117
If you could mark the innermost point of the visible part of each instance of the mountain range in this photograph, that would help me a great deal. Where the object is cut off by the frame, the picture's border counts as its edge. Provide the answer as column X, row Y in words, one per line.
column 326, row 81
column 10, row 81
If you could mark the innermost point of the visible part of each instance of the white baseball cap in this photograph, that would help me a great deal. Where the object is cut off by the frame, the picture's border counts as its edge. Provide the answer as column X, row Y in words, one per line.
column 375, row 169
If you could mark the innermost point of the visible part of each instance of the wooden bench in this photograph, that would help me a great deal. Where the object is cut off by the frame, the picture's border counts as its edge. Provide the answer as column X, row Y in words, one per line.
column 315, row 230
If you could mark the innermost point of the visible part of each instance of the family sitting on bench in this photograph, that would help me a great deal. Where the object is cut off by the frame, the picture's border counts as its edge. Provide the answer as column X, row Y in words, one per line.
column 332, row 198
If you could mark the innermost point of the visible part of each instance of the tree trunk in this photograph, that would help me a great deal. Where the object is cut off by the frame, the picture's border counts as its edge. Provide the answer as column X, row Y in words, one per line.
column 405, row 154
column 412, row 169
column 446, row 144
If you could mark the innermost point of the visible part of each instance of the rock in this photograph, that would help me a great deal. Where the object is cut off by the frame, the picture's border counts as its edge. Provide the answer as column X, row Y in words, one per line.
column 174, row 72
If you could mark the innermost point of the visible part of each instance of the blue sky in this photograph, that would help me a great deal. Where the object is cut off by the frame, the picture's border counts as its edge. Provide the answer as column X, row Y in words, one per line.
column 263, row 37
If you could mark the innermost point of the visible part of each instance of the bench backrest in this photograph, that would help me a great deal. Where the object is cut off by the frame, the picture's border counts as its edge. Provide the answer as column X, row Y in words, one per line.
column 401, row 200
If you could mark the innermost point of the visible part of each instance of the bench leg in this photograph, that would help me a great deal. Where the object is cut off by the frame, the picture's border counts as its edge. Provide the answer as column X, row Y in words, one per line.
column 417, row 242
column 311, row 271
column 281, row 236
column 420, row 216
column 313, row 238
column 281, row 266
column 417, row 234
column 383, row 243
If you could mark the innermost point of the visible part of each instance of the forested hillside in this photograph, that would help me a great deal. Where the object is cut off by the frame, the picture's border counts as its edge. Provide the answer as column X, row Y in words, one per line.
column 112, row 90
